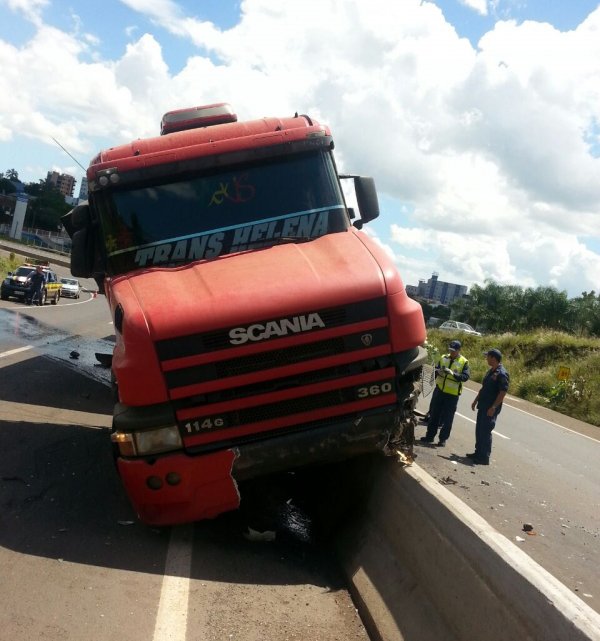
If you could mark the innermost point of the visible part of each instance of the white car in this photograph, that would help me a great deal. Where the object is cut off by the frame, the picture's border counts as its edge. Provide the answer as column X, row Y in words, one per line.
column 456, row 326
column 70, row 287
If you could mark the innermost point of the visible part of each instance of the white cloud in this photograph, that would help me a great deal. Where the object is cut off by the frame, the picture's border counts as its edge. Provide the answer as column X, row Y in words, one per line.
column 31, row 9
column 477, row 5
column 489, row 147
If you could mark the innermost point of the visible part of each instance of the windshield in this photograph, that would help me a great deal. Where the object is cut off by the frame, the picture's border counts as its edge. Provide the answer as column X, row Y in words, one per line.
column 68, row 281
column 252, row 206
column 465, row 326
column 24, row 271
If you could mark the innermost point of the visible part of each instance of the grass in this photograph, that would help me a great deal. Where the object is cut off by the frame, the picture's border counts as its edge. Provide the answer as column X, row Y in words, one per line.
column 533, row 361
column 10, row 263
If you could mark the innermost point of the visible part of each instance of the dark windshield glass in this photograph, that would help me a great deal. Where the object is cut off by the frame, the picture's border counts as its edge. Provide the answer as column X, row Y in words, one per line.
column 223, row 212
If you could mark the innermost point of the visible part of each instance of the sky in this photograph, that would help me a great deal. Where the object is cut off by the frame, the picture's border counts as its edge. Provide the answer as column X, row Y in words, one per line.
column 478, row 119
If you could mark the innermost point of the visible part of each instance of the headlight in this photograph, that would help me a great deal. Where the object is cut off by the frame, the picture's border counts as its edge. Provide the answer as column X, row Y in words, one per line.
column 163, row 439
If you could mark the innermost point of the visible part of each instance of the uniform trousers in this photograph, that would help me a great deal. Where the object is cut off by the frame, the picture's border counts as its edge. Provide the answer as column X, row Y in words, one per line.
column 441, row 414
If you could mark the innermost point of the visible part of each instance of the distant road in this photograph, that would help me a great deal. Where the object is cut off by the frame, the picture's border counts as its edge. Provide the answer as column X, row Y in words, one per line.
column 39, row 253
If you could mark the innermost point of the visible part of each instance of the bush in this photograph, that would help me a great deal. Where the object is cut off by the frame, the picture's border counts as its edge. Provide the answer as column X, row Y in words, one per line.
column 533, row 360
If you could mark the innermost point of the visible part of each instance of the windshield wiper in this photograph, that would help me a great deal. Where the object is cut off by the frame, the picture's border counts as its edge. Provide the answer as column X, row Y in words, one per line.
column 280, row 240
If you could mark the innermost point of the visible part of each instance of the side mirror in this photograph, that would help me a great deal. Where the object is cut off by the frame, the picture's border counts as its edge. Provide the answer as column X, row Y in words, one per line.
column 78, row 223
column 82, row 253
column 78, row 218
column 366, row 198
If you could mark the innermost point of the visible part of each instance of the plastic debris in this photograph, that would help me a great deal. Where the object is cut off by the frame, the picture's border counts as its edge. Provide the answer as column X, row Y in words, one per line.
column 520, row 539
column 527, row 527
column 255, row 535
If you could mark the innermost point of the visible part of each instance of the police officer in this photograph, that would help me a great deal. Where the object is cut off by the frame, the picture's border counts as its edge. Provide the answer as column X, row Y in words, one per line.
column 489, row 403
column 37, row 280
column 451, row 371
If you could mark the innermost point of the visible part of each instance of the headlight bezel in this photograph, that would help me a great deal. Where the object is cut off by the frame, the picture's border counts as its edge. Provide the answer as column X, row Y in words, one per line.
column 158, row 440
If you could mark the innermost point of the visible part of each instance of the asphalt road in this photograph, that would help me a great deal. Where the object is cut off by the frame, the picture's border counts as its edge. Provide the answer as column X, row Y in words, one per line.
column 544, row 471
column 76, row 563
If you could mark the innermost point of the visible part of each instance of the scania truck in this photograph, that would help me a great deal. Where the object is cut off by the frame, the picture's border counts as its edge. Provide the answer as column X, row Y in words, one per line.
column 257, row 328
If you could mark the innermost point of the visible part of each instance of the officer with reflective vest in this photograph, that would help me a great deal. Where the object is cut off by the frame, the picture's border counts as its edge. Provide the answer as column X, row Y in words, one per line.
column 451, row 371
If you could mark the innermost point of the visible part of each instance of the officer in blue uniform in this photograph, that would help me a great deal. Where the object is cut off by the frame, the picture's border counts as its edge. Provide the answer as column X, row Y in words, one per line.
column 451, row 371
column 37, row 280
column 489, row 404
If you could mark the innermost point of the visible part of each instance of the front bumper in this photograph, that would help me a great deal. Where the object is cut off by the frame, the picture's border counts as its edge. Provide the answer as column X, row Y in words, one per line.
column 194, row 487
column 15, row 290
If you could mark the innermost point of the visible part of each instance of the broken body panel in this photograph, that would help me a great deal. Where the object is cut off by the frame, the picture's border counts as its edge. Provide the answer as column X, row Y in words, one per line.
column 257, row 330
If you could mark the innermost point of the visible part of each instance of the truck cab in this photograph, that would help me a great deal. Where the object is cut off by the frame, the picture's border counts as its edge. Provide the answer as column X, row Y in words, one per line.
column 257, row 328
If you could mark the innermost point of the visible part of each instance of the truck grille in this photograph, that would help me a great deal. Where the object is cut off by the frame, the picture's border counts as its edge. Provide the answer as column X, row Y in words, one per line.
column 214, row 341
column 331, row 369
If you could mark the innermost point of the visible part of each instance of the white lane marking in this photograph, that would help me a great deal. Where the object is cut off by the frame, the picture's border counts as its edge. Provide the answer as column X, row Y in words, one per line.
column 472, row 421
column 77, row 302
column 562, row 427
column 18, row 350
column 171, row 618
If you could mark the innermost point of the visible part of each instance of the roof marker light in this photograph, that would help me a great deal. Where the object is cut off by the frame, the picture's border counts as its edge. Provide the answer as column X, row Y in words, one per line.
column 193, row 117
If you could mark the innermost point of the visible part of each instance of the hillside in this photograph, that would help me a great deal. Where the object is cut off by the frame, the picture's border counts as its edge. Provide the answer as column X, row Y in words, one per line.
column 533, row 361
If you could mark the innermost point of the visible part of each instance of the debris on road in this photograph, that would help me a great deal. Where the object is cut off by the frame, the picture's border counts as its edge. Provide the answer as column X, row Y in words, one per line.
column 255, row 535
column 448, row 480
column 527, row 527
column 74, row 354
column 520, row 539
column 485, row 482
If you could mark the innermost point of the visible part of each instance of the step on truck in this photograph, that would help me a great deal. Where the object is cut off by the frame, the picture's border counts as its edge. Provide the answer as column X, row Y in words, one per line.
column 258, row 330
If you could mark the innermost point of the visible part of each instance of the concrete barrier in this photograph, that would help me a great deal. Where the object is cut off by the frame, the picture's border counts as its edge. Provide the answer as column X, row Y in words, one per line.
column 423, row 566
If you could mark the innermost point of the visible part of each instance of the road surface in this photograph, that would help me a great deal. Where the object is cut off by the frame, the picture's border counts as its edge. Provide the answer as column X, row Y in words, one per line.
column 545, row 471
column 76, row 563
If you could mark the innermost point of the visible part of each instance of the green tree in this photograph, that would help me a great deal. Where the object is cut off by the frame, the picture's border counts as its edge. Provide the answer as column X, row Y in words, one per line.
column 502, row 308
column 6, row 186
column 45, row 207
column 585, row 314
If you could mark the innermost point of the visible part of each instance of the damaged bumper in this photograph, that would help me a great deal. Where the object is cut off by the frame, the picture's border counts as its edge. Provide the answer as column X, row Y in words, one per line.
column 181, row 487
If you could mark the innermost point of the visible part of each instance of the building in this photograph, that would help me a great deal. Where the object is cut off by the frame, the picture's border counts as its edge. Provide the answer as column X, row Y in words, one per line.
column 83, row 189
column 437, row 291
column 63, row 182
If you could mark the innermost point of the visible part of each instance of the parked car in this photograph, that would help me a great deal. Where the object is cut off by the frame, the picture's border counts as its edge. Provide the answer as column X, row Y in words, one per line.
column 18, row 284
column 456, row 326
column 71, row 287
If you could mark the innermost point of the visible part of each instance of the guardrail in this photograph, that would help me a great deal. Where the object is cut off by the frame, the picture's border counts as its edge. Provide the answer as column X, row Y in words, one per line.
column 423, row 566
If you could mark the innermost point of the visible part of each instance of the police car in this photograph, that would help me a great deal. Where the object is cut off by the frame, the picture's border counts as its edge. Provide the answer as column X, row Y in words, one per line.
column 18, row 284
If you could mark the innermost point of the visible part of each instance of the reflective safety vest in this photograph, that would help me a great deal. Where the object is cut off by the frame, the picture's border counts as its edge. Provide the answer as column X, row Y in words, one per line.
column 446, row 383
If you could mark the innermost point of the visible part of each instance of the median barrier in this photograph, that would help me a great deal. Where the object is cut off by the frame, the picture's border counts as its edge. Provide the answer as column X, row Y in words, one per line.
column 423, row 566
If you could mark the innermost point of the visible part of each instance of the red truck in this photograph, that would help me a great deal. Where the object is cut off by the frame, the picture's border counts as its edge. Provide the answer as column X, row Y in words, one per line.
column 257, row 329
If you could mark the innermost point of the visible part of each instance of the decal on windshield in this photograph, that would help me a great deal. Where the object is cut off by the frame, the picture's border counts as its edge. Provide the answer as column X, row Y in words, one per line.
column 234, row 192
column 234, row 239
